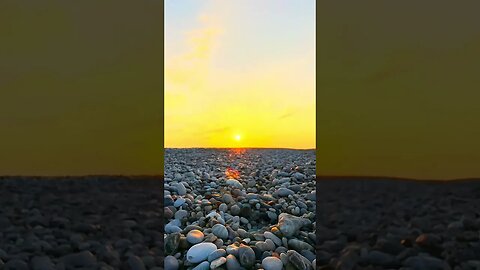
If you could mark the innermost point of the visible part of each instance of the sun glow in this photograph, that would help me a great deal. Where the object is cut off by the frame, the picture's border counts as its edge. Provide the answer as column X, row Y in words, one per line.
column 209, row 52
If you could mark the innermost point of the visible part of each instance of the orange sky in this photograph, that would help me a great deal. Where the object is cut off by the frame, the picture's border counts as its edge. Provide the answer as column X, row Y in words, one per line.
column 232, row 83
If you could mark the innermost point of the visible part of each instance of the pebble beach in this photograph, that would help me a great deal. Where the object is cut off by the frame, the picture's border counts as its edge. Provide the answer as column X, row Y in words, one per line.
column 239, row 209
column 71, row 223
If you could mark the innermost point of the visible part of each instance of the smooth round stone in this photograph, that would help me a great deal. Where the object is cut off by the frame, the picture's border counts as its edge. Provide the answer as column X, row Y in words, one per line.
column 270, row 244
column 218, row 243
column 280, row 181
column 232, row 249
column 170, row 263
column 299, row 245
column 312, row 196
column 180, row 214
column 202, row 266
column 284, row 192
column 302, row 205
column 299, row 176
column 181, row 190
column 218, row 262
column 195, row 236
column 167, row 200
column 290, row 225
column 217, row 254
column 273, row 237
column 272, row 263
column 281, row 250
column 167, row 213
column 190, row 175
column 227, row 198
column 298, row 260
column 272, row 216
column 261, row 246
column 223, row 207
column 308, row 254
column 234, row 183
column 246, row 256
column 199, row 252
column 235, row 210
column 232, row 263
column 179, row 202
column 170, row 228
column 220, row 231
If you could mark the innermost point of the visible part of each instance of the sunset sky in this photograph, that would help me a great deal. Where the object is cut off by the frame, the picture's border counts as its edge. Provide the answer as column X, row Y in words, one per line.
column 240, row 73
column 398, row 88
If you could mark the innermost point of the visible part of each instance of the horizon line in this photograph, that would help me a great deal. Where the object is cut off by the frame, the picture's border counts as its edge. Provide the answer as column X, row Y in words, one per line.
column 280, row 148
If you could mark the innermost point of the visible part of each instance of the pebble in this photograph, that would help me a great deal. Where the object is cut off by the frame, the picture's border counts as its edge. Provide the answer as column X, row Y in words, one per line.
column 42, row 263
column 181, row 214
column 239, row 217
column 272, row 263
column 171, row 263
column 299, row 245
column 289, row 225
column 223, row 207
column 202, row 266
column 181, row 190
column 232, row 263
column 218, row 262
column 172, row 242
column 246, row 256
column 135, row 263
column 284, row 192
column 300, row 262
column 220, row 231
column 170, row 228
column 227, row 198
column 235, row 210
column 179, row 202
column 81, row 259
column 195, row 236
column 199, row 252
column 217, row 254
column 234, row 183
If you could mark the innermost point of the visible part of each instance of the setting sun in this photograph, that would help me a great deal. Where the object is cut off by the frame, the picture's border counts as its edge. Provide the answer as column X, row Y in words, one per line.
column 237, row 137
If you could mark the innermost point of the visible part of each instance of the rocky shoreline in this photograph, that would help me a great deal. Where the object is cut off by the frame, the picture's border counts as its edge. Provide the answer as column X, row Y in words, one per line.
column 398, row 224
column 67, row 223
column 239, row 209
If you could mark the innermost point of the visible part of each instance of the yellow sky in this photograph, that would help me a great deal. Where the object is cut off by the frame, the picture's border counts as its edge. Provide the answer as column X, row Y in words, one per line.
column 229, row 83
